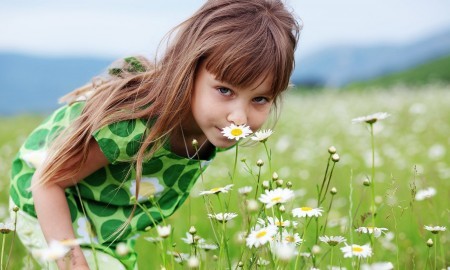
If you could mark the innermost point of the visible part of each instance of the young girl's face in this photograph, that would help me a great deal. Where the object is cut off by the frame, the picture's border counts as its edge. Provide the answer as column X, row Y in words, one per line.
column 216, row 104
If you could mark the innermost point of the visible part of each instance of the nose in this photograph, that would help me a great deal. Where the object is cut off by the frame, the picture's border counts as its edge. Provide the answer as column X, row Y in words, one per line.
column 237, row 115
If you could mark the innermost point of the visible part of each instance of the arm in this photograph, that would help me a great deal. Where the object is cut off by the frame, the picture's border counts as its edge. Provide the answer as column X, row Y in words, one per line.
column 52, row 209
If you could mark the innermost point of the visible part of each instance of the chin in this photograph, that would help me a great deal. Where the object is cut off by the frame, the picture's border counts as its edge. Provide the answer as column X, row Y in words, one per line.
column 224, row 143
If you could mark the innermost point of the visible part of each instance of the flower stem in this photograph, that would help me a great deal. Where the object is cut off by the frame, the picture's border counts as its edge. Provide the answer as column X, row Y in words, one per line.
column 373, row 175
column 3, row 249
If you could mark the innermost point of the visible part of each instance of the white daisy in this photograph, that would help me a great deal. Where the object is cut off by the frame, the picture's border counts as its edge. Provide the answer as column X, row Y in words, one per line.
column 223, row 217
column 307, row 212
column 288, row 238
column 357, row 250
column 178, row 256
column 332, row 240
column 260, row 236
column 216, row 190
column 6, row 227
column 206, row 246
column 191, row 240
column 376, row 231
column 276, row 222
column 276, row 196
column 435, row 229
column 262, row 262
column 378, row 266
column 153, row 239
column 370, row 119
column 236, row 132
column 425, row 193
column 262, row 135
column 56, row 250
column 245, row 190
column 284, row 251
column 149, row 186
column 164, row 231
column 71, row 242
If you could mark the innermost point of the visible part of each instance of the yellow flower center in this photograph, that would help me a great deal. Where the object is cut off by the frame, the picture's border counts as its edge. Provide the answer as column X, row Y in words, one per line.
column 306, row 208
column 357, row 249
column 217, row 189
column 276, row 199
column 236, row 132
column 261, row 234
column 147, row 189
column 290, row 239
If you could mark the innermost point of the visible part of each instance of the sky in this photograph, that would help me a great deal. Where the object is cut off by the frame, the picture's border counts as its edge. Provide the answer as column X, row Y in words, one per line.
column 114, row 28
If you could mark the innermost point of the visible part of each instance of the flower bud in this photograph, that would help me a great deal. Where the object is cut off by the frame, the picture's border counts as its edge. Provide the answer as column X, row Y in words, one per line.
column 315, row 249
column 279, row 182
column 197, row 238
column 194, row 143
column 366, row 182
column 259, row 163
column 275, row 176
column 122, row 249
column 332, row 150
column 282, row 208
column 430, row 242
column 252, row 205
column 15, row 208
column 335, row 157
column 240, row 264
column 333, row 191
column 288, row 184
column 265, row 184
column 192, row 230
column 193, row 262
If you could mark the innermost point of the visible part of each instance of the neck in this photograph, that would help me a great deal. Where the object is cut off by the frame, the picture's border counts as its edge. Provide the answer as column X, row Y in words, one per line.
column 181, row 144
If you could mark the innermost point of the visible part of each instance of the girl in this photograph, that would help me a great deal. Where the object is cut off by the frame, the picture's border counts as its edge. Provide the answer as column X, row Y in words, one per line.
column 129, row 135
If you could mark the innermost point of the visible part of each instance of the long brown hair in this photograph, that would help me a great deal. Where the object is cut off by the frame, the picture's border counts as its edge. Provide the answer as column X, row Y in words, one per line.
column 240, row 42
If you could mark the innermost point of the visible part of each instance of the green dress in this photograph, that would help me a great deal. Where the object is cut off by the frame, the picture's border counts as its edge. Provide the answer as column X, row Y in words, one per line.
column 103, row 204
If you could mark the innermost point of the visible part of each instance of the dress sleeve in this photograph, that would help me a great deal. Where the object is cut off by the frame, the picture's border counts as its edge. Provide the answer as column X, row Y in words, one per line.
column 120, row 141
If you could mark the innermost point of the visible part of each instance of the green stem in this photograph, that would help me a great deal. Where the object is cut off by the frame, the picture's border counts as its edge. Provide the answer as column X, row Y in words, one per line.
column 435, row 251
column 323, row 181
column 269, row 157
column 331, row 257
column 12, row 241
column 235, row 163
column 328, row 184
column 3, row 248
column 373, row 174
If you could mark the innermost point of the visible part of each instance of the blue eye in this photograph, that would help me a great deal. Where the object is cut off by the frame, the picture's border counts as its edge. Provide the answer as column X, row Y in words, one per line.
column 224, row 91
column 261, row 100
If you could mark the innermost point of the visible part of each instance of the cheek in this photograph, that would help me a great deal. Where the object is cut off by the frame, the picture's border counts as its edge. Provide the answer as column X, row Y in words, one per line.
column 259, row 118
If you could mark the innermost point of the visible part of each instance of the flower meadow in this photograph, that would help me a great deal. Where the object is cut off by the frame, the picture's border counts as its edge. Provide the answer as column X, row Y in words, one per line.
column 345, row 180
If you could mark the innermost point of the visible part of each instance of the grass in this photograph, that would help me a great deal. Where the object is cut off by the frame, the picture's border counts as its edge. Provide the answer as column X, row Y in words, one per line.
column 411, row 153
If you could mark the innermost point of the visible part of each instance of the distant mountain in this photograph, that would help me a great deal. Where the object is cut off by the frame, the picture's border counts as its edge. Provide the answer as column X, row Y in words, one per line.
column 34, row 84
column 338, row 66
column 435, row 71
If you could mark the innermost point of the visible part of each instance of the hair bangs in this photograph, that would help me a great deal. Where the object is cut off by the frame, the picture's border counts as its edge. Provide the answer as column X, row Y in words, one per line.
column 251, row 49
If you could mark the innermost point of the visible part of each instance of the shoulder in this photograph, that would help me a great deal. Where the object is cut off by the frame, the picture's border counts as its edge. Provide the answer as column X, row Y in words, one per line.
column 120, row 141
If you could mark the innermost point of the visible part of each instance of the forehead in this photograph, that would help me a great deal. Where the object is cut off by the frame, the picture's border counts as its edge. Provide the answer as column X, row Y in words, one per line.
column 261, row 84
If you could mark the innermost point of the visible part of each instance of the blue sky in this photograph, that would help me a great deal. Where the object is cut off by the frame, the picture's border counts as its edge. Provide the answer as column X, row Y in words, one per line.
column 113, row 28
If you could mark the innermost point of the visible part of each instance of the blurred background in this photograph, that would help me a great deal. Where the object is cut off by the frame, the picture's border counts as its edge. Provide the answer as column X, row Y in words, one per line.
column 49, row 47
column 354, row 58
